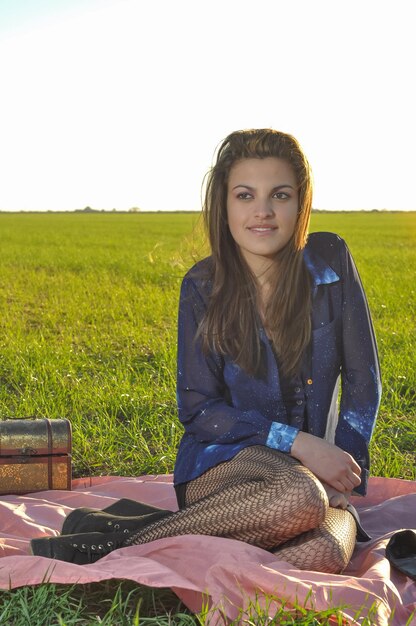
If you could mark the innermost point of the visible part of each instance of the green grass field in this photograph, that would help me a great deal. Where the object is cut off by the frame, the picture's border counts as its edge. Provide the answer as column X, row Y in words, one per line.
column 88, row 308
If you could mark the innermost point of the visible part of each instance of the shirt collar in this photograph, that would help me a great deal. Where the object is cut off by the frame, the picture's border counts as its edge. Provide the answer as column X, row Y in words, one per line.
column 321, row 272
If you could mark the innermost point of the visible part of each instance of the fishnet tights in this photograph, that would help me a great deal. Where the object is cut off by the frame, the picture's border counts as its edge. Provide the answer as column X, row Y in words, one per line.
column 265, row 498
column 326, row 548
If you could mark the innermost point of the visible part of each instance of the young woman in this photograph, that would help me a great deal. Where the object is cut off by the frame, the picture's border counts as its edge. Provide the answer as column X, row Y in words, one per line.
column 268, row 325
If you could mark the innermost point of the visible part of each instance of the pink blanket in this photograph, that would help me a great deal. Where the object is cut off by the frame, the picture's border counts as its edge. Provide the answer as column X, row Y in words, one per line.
column 229, row 572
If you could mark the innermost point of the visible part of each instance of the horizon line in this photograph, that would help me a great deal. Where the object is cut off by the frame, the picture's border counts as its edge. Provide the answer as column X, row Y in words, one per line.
column 135, row 211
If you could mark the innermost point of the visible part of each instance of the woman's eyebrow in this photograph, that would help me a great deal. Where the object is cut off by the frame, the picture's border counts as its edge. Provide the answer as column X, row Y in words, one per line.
column 252, row 188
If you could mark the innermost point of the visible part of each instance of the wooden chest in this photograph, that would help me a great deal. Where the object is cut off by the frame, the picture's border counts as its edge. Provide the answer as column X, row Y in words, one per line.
column 35, row 455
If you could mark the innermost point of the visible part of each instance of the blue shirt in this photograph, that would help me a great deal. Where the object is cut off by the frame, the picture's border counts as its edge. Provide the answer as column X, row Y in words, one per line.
column 223, row 409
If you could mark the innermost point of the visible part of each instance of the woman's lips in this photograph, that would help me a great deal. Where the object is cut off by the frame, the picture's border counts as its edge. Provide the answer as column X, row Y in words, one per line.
column 262, row 229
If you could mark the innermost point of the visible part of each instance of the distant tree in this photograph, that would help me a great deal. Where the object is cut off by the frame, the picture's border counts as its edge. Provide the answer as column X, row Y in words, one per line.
column 134, row 209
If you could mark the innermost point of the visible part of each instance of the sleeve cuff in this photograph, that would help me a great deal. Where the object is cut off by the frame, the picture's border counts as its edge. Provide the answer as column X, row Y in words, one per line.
column 361, row 490
column 281, row 437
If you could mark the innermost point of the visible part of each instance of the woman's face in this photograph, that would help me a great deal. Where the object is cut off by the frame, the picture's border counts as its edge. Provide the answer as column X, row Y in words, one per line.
column 262, row 208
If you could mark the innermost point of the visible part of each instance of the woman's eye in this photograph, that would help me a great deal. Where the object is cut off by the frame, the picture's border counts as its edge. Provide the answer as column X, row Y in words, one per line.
column 243, row 195
column 281, row 195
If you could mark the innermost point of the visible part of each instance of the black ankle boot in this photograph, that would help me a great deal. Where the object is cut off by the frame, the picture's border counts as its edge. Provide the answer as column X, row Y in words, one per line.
column 131, row 508
column 92, row 520
column 401, row 552
column 121, row 508
column 80, row 548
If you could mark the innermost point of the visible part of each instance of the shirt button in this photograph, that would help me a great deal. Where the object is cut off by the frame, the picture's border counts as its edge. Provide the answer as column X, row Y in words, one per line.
column 297, row 389
column 309, row 381
column 299, row 402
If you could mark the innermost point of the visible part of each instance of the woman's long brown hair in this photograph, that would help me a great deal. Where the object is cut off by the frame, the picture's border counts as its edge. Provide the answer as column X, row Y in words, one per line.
column 231, row 323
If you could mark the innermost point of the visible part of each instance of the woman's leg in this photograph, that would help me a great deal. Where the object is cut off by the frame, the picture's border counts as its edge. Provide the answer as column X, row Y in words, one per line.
column 261, row 496
column 326, row 548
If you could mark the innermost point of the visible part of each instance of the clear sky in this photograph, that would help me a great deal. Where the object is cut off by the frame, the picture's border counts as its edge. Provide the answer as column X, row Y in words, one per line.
column 121, row 103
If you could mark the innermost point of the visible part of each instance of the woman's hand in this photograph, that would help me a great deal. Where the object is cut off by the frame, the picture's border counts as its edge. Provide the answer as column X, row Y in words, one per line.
column 336, row 499
column 328, row 462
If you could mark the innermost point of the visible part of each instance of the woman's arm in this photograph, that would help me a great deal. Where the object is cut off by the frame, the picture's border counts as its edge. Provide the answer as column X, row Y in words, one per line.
column 360, row 371
column 342, row 465
column 204, row 404
column 328, row 462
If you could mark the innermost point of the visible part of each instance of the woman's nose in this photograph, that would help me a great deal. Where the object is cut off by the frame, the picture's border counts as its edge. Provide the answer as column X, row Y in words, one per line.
column 264, row 208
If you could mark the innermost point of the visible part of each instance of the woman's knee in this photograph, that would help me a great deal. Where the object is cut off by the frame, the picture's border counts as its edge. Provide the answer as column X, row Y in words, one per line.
column 313, row 494
column 327, row 548
column 341, row 554
column 340, row 534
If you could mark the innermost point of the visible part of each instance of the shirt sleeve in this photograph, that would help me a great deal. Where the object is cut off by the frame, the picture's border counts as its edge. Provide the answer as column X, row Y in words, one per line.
column 360, row 372
column 204, row 406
